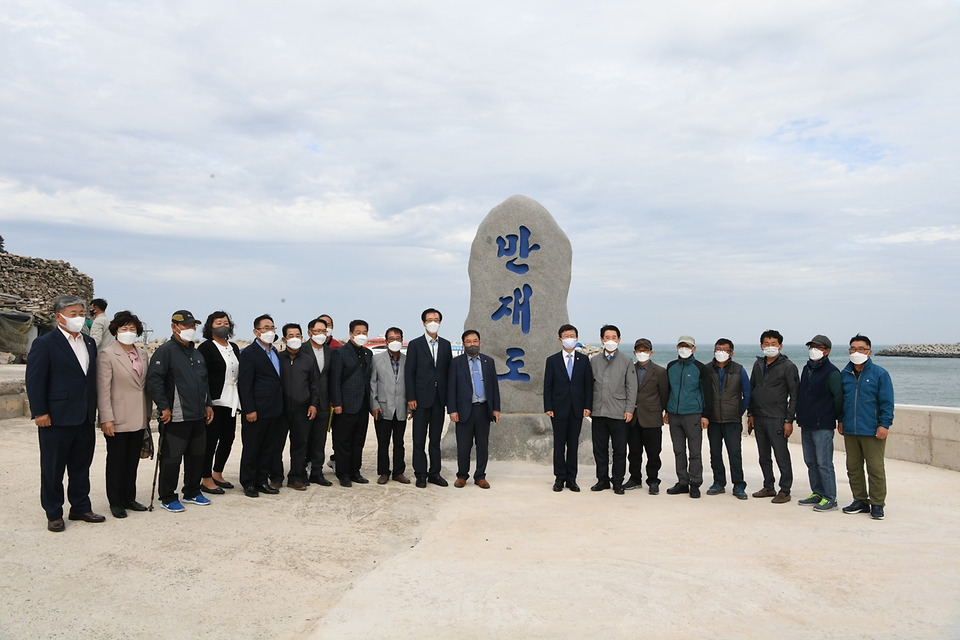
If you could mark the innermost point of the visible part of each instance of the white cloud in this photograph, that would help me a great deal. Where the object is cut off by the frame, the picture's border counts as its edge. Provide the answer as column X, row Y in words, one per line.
column 924, row 234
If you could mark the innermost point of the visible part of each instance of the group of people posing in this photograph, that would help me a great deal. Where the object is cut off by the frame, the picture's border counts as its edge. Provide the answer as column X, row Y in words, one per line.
column 315, row 384
column 630, row 401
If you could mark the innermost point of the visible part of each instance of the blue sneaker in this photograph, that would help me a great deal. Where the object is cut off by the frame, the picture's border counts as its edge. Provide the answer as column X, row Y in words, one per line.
column 826, row 505
column 876, row 512
column 198, row 499
column 812, row 500
column 739, row 493
column 173, row 506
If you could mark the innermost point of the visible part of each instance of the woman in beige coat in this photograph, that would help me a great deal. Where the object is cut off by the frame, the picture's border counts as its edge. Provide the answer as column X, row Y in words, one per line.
column 124, row 410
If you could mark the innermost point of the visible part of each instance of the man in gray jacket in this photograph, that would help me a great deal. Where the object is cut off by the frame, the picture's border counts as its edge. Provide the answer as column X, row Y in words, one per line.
column 388, row 402
column 773, row 406
column 614, row 401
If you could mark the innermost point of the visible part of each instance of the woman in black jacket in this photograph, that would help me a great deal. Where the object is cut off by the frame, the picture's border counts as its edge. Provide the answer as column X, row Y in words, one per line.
column 223, row 362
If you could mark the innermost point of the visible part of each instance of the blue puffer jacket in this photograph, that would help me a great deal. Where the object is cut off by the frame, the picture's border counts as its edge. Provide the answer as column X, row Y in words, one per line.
column 867, row 400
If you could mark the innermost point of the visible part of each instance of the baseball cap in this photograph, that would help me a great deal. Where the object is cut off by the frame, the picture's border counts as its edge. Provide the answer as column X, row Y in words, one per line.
column 821, row 339
column 688, row 339
column 183, row 317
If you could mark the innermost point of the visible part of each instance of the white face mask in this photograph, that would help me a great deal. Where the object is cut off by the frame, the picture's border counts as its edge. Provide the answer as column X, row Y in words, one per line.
column 771, row 352
column 395, row 346
column 684, row 352
column 294, row 343
column 267, row 337
column 73, row 325
column 432, row 327
column 611, row 345
column 319, row 339
column 569, row 343
column 187, row 335
column 721, row 356
column 642, row 356
column 359, row 340
column 858, row 358
column 815, row 354
column 126, row 337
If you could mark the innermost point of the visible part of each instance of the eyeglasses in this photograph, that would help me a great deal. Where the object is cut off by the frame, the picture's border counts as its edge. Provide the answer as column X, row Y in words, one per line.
column 859, row 349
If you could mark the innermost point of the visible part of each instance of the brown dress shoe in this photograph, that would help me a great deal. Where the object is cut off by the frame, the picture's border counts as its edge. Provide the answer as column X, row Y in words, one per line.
column 56, row 525
column 402, row 479
column 459, row 483
column 89, row 516
column 276, row 485
column 765, row 493
column 482, row 483
column 297, row 485
column 781, row 498
column 384, row 478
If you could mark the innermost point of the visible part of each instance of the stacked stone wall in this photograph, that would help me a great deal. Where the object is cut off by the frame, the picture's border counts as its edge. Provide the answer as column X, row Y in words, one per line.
column 31, row 284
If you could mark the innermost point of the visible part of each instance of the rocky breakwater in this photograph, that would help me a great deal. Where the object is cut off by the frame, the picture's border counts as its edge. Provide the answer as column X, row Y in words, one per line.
column 941, row 350
column 30, row 285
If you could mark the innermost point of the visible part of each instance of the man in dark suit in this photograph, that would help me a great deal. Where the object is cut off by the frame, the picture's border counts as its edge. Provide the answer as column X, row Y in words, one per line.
column 426, row 373
column 473, row 395
column 320, row 350
column 350, row 370
column 261, row 401
column 62, row 387
column 567, row 399
column 645, row 431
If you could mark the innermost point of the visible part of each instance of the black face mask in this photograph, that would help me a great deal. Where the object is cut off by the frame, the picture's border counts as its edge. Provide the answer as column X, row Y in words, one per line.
column 472, row 350
column 221, row 332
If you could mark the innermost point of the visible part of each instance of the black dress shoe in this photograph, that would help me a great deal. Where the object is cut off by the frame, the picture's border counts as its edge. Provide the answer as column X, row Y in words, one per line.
column 265, row 488
column 421, row 483
column 345, row 482
column 654, row 489
column 118, row 512
column 251, row 492
column 135, row 506
column 437, row 480
column 558, row 486
column 678, row 488
column 223, row 485
column 359, row 479
column 694, row 491
column 600, row 486
column 320, row 480
column 215, row 491
column 618, row 489
column 573, row 486
column 89, row 516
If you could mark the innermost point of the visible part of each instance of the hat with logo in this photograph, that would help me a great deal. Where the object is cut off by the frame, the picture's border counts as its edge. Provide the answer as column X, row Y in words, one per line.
column 183, row 317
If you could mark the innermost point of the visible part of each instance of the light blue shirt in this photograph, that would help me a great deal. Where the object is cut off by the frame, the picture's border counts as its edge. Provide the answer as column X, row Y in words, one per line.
column 479, row 367
column 272, row 354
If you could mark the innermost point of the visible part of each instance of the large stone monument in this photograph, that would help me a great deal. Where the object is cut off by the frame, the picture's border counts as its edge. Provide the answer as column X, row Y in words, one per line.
column 520, row 264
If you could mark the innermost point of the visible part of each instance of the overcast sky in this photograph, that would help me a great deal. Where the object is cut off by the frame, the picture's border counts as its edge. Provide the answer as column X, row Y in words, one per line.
column 720, row 168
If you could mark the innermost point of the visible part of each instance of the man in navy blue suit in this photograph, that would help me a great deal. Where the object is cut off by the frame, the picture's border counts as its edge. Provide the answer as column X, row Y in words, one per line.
column 567, row 399
column 62, row 388
column 473, row 399
column 425, row 373
column 350, row 369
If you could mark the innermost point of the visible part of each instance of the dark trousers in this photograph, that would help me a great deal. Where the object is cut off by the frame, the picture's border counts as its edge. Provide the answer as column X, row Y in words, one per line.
column 299, row 426
column 278, row 444
column 606, row 430
column 686, row 433
column 731, row 434
column 221, row 432
column 67, row 449
column 649, row 440
column 427, row 421
column 123, row 459
column 769, row 432
column 475, row 428
column 317, row 443
column 255, row 458
column 349, row 434
column 185, row 441
column 566, row 445
column 387, row 429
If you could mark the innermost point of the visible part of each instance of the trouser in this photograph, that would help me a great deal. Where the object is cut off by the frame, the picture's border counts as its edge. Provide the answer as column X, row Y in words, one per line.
column 731, row 435
column 606, row 430
column 686, row 433
column 257, row 454
column 769, row 432
column 123, row 459
column 649, row 439
column 387, row 429
column 317, row 442
column 871, row 450
column 818, row 456
column 67, row 449
column 566, row 444
column 300, row 427
column 476, row 428
column 185, row 441
column 427, row 420
column 278, row 444
column 349, row 434
column 221, row 432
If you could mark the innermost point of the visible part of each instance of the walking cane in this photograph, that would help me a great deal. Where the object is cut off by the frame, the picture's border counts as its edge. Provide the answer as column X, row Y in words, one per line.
column 156, row 468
